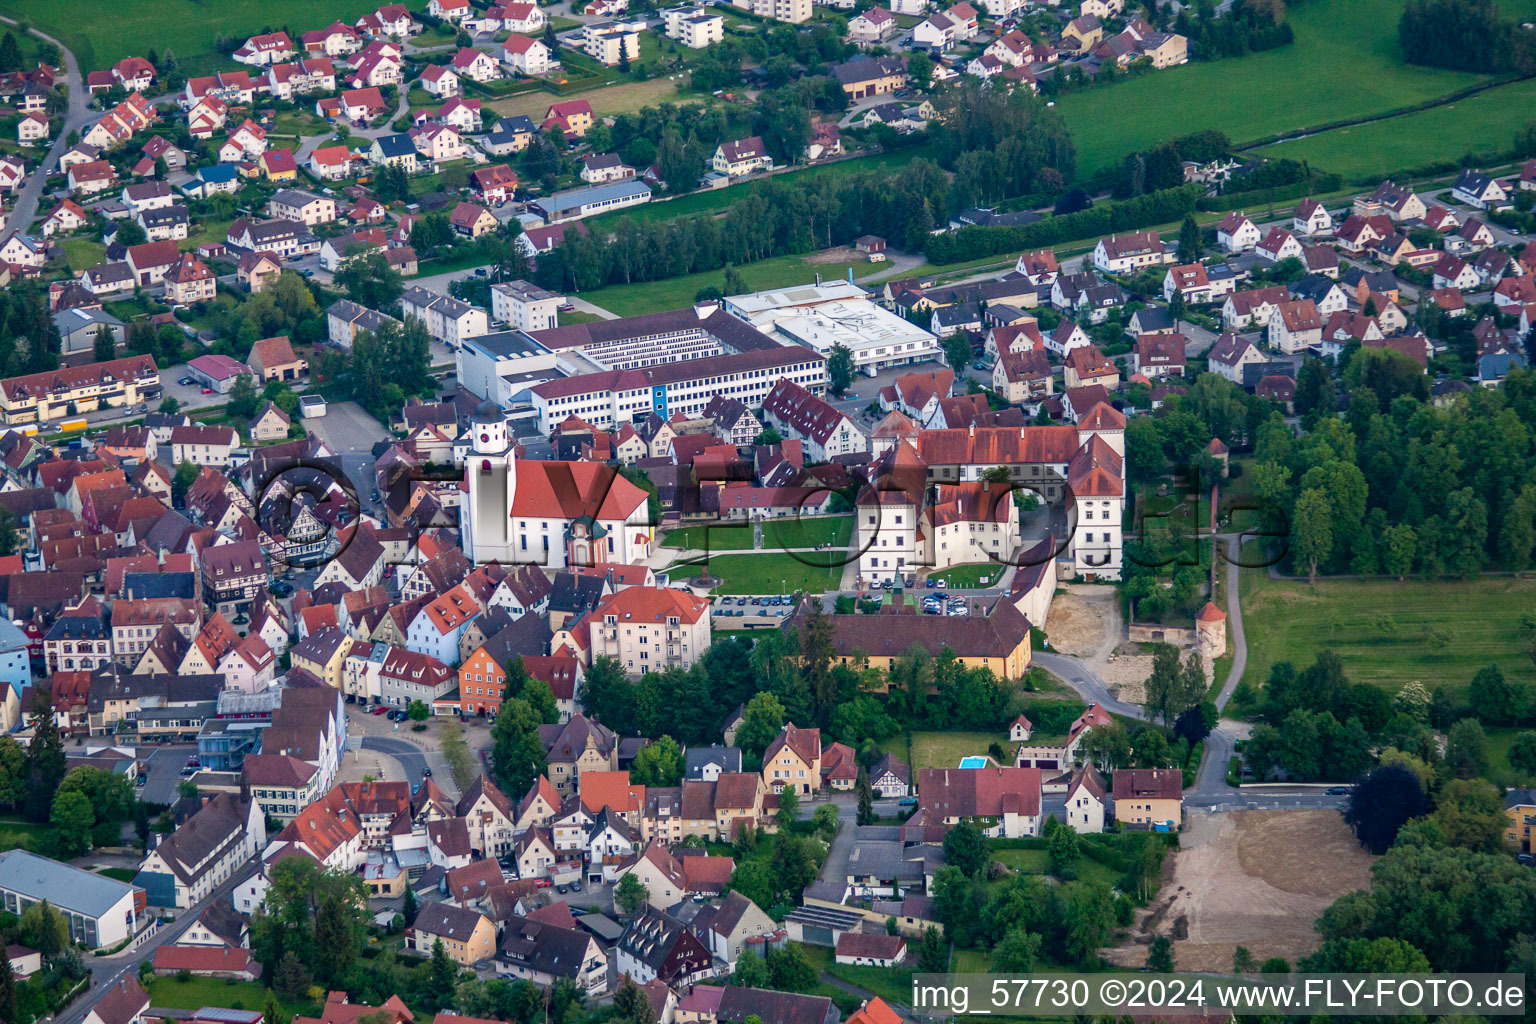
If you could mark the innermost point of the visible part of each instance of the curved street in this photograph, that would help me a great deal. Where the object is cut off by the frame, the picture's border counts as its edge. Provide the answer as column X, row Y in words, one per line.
column 77, row 117
column 1210, row 790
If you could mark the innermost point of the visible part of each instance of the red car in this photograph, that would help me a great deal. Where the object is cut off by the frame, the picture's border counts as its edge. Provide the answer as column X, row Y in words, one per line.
column 207, row 391
column 542, row 883
column 377, row 709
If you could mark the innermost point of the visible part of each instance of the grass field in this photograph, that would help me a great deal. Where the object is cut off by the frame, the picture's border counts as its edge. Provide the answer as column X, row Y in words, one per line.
column 968, row 577
column 102, row 32
column 677, row 292
column 121, row 874
column 1486, row 122
column 765, row 574
column 83, row 252
column 1037, row 862
column 1439, row 633
column 625, row 99
column 18, row 833
column 576, row 316
column 1344, row 63
column 944, row 749
column 777, row 536
column 200, row 992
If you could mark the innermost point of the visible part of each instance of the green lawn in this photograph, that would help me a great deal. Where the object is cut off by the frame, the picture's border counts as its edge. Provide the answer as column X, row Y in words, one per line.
column 102, row 32
column 678, row 292
column 894, row 986
column 1344, row 63
column 1439, row 633
column 970, row 576
column 200, row 992
column 944, row 749
column 121, row 874
column 1037, row 862
column 722, row 536
column 576, row 316
column 835, row 531
column 83, row 252
column 18, row 833
column 1485, row 123
column 777, row 535
column 773, row 573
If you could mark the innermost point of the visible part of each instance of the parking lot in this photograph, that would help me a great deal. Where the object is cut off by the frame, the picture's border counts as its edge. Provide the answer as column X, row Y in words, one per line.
column 754, row 611
column 162, row 769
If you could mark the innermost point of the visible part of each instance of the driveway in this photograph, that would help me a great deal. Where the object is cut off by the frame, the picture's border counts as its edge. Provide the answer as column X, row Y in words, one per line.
column 163, row 769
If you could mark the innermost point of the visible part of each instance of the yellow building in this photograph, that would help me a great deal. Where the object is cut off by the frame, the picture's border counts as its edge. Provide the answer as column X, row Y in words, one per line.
column 323, row 654
column 468, row 936
column 995, row 638
column 76, row 390
column 793, row 760
column 1520, row 807
column 1149, row 798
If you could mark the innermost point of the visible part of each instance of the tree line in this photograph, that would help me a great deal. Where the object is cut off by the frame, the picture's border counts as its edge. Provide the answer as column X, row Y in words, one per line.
column 1464, row 35
column 1250, row 26
column 994, row 144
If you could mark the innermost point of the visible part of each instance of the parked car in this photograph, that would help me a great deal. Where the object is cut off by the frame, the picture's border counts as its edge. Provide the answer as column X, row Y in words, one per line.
column 426, row 771
column 185, row 381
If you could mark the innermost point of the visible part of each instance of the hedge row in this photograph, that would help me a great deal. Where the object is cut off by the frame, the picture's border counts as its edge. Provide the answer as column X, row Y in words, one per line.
column 1106, row 218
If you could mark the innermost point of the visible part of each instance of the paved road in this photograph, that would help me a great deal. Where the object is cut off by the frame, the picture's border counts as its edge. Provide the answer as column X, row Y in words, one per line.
column 412, row 760
column 108, row 971
column 75, row 119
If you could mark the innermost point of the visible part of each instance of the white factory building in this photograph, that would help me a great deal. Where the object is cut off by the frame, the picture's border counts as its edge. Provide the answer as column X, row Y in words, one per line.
column 824, row 314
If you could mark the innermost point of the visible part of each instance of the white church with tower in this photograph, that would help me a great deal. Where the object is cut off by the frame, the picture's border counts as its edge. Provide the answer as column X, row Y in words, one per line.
column 553, row 514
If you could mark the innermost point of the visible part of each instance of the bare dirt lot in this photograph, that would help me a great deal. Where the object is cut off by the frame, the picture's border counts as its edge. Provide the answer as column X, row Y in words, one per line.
column 1084, row 622
column 837, row 254
column 1254, row 878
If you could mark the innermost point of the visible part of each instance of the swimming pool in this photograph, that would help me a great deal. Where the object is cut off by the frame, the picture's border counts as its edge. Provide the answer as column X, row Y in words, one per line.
column 973, row 761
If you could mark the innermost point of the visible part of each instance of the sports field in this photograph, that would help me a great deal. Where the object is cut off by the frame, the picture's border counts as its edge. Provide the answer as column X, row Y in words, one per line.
column 1345, row 63
column 677, row 292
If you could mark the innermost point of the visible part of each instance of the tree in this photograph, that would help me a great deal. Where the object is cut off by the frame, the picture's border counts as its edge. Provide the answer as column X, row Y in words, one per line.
column 1381, row 803
column 866, row 811
column 659, row 763
column 1466, row 749
column 442, row 973
column 408, row 907
column 1522, row 753
column 104, row 345
column 1191, row 245
column 966, row 848
column 45, row 758
column 957, row 352
column 1165, row 685
column 1312, row 530
column 1494, row 699
column 417, row 711
column 1243, row 961
column 244, row 399
column 763, row 719
column 755, row 880
column 13, row 772
column 517, row 754
column 7, row 532
column 1088, row 913
column 44, row 929
column 932, row 955
column 789, row 970
column 789, row 806
column 839, row 369
column 8, row 1010
column 1017, row 953
column 630, row 893
column 751, row 971
column 1160, row 955
column 794, row 862
column 631, row 1005
column 1470, row 813
column 1065, row 849
column 10, row 60
column 169, row 405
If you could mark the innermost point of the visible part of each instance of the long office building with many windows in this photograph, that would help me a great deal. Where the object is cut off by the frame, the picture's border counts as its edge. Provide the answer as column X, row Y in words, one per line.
column 666, row 363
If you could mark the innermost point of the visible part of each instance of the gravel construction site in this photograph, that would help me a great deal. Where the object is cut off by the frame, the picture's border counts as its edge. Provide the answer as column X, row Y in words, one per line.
column 1251, row 878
